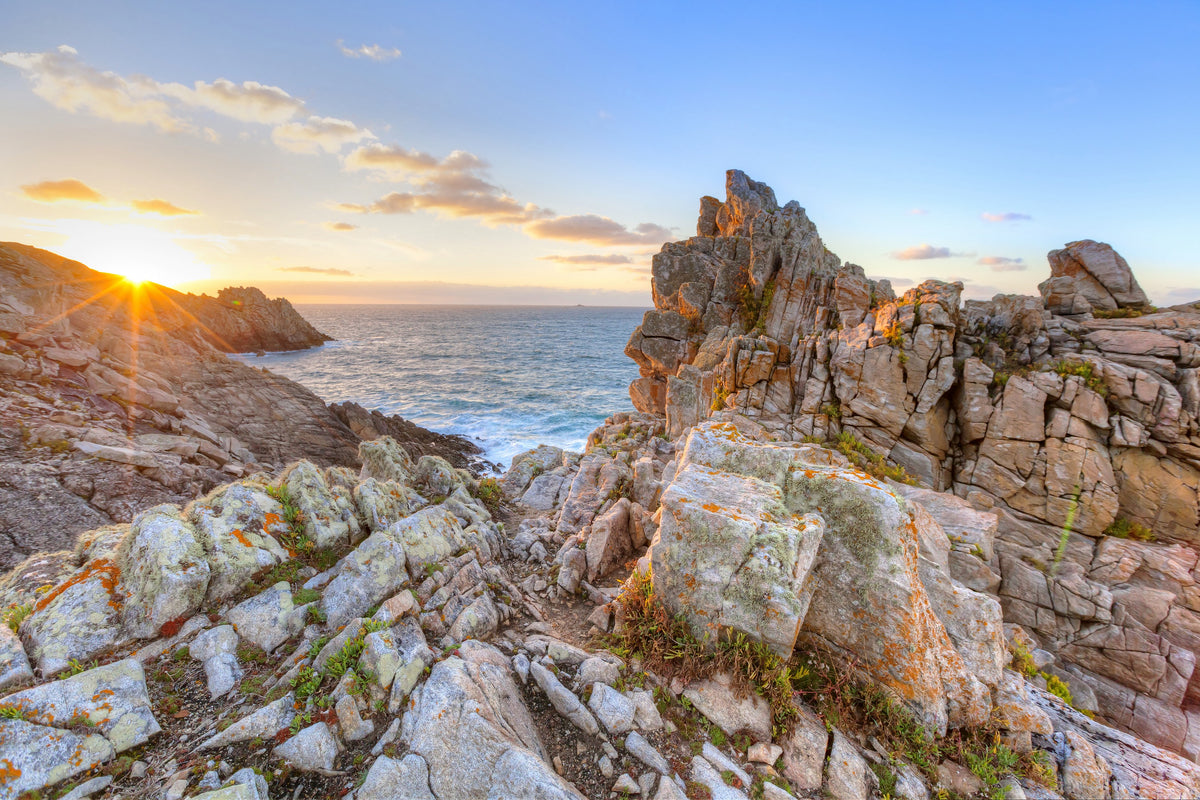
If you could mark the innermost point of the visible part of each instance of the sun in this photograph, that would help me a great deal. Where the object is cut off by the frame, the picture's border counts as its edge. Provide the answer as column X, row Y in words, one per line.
column 138, row 254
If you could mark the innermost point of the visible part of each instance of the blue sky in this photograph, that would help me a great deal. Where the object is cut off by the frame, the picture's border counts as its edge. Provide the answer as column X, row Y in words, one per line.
column 896, row 126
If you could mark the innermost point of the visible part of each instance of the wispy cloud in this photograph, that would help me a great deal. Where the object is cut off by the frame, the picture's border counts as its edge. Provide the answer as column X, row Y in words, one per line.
column 590, row 258
column 374, row 52
column 922, row 252
column 162, row 208
column 1004, row 263
column 345, row 273
column 595, row 229
column 319, row 133
column 57, row 191
column 1007, row 216
column 918, row 212
column 341, row 227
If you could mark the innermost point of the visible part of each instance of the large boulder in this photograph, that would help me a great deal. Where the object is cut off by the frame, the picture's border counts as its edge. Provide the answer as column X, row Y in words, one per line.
column 1088, row 275
column 774, row 541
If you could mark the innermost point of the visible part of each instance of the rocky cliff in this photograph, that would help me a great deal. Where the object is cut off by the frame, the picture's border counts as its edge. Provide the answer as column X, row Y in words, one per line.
column 1074, row 417
column 113, row 398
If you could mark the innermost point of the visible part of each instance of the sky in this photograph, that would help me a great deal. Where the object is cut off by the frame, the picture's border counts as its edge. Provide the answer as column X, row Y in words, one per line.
column 538, row 152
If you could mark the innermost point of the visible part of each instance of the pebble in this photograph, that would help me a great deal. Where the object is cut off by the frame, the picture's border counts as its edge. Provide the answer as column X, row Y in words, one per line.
column 606, row 766
column 626, row 785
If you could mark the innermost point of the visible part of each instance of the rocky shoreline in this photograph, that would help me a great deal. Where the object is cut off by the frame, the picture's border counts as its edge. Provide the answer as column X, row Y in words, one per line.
column 777, row 579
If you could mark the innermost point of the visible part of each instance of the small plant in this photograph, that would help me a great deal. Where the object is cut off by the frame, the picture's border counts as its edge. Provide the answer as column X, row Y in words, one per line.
column 1085, row 370
column 296, row 541
column 74, row 667
column 303, row 597
column 887, row 779
column 1122, row 313
column 719, row 395
column 15, row 614
column 1022, row 660
column 894, row 334
column 306, row 683
column 8, row 711
column 1123, row 528
column 832, row 410
column 490, row 494
column 1058, row 687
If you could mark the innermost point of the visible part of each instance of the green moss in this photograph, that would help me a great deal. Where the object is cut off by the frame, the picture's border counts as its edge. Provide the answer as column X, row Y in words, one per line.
column 1085, row 370
column 1123, row 528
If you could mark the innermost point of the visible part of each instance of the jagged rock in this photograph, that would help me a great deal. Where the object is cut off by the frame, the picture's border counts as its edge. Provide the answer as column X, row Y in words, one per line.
column 564, row 700
column 239, row 525
column 264, row 722
column 163, row 569
column 804, row 752
column 716, row 699
column 75, row 620
column 269, row 618
column 414, row 658
column 704, row 773
column 329, row 520
column 614, row 710
column 311, row 750
column 643, row 751
column 1088, row 274
column 16, row 669
column 385, row 460
column 1084, row 773
column 40, row 749
column 645, row 714
column 389, row 778
column 469, row 724
column 956, row 778
column 609, row 543
column 353, row 726
column 724, row 763
column 369, row 574
column 847, row 775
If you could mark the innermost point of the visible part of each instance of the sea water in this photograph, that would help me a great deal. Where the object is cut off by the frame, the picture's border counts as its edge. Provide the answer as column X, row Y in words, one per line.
column 507, row 377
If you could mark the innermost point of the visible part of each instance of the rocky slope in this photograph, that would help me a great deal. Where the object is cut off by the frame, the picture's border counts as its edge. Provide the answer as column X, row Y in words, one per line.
column 1069, row 416
column 114, row 398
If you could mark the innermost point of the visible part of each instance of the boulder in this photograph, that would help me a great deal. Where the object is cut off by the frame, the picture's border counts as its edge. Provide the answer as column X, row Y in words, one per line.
column 164, row 571
column 1087, row 274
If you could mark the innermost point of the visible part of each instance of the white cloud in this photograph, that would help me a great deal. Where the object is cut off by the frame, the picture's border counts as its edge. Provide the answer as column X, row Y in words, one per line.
column 1007, row 216
column 374, row 52
column 595, row 229
column 248, row 101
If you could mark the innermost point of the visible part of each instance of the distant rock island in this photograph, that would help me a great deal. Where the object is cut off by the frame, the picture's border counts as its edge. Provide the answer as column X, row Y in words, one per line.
column 851, row 545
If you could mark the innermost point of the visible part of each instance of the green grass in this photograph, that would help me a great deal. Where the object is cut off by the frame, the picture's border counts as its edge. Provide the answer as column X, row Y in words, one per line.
column 295, row 540
column 489, row 493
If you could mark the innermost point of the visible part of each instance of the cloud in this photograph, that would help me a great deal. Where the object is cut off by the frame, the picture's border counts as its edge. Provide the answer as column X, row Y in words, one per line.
column 161, row 207
column 594, row 229
column 1007, row 216
column 1181, row 295
column 318, row 271
column 1004, row 263
column 339, row 226
column 922, row 252
column 374, row 52
column 62, row 79
column 248, row 101
column 590, row 259
column 897, row 282
column 399, row 162
column 57, row 191
column 319, row 133
column 918, row 212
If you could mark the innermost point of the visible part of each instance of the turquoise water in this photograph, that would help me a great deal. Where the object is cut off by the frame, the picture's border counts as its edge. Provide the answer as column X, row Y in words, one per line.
column 508, row 377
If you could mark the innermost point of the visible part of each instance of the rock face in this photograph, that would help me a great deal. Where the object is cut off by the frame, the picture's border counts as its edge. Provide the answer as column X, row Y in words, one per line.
column 243, row 320
column 114, row 399
column 1056, row 420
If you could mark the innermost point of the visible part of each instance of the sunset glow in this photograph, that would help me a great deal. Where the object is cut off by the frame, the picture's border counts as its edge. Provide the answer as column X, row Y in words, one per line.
column 139, row 254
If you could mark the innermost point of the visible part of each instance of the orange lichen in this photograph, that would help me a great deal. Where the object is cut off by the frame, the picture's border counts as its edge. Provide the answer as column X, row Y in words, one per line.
column 7, row 771
column 108, row 573
column 241, row 537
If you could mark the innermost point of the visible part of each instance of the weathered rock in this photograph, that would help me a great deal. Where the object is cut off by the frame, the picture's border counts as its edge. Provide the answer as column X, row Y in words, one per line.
column 269, row 618
column 264, row 722
column 77, row 619
column 42, row 749
column 329, row 520
column 847, row 775
column 16, row 669
column 469, row 724
column 239, row 525
column 643, row 751
column 564, row 700
column 614, row 710
column 716, row 699
column 390, row 778
column 369, row 574
column 164, row 571
column 1086, row 275
column 311, row 750
column 804, row 752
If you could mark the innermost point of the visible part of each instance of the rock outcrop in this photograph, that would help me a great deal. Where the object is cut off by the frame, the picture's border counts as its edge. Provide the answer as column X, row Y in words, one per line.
column 1072, row 417
column 113, row 399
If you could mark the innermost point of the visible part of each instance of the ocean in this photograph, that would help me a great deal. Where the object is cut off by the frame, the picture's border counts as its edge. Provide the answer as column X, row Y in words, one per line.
column 507, row 377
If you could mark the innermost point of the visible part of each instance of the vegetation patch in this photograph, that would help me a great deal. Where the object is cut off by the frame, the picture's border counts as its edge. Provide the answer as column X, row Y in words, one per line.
column 868, row 460
column 489, row 493
column 1123, row 528
column 1085, row 370
column 1122, row 313
column 296, row 541
column 15, row 614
